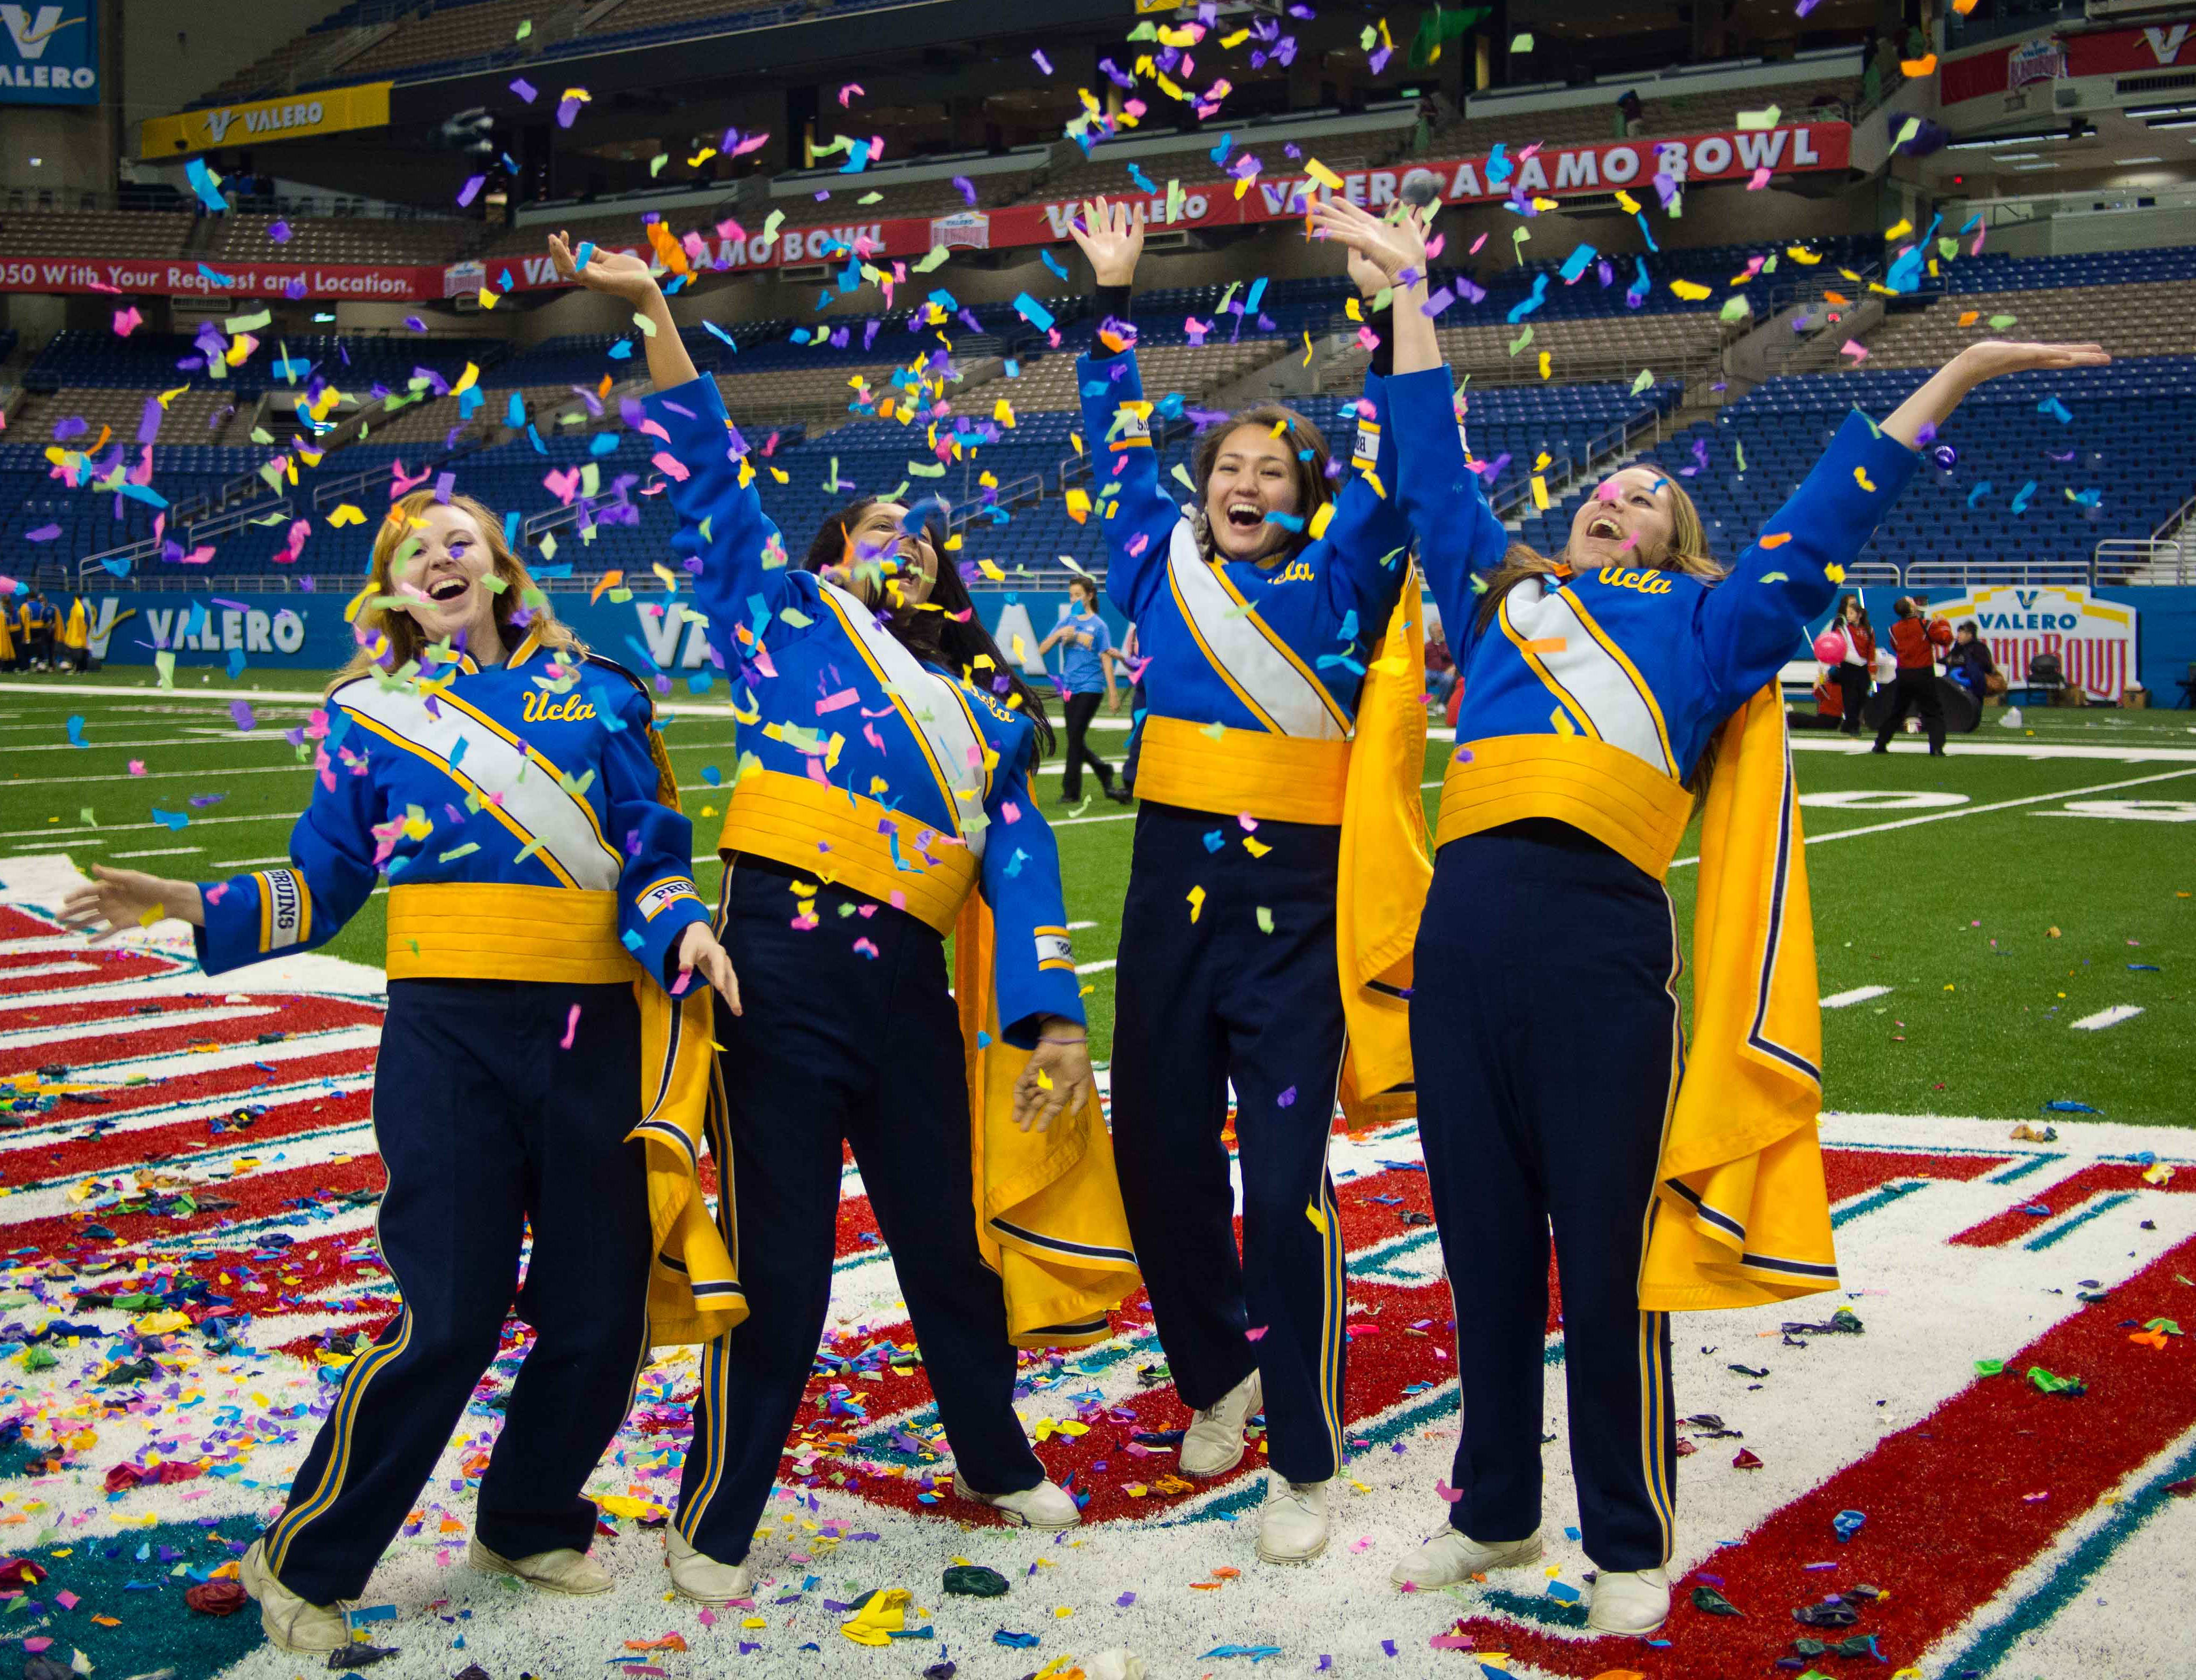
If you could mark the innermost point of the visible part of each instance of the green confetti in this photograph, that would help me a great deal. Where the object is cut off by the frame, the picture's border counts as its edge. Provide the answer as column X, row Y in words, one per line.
column 1522, row 339
column 1265, row 920
column 1646, row 378
column 1999, row 323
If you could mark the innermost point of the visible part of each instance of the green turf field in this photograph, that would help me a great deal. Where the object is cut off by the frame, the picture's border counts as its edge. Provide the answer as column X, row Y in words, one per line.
column 1997, row 921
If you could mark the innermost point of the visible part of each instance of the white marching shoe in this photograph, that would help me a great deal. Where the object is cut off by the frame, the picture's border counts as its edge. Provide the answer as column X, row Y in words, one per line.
column 1047, row 1505
column 563, row 1570
column 699, row 1577
column 1453, row 1555
column 1292, row 1523
column 291, row 1623
column 1212, row 1445
column 1630, row 1601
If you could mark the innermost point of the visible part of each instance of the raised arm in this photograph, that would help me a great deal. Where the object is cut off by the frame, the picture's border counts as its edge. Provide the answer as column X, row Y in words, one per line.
column 1440, row 495
column 1748, row 625
column 1137, row 514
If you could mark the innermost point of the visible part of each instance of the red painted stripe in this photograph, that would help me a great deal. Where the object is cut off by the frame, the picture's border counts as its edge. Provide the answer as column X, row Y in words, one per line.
column 1855, row 1172
column 182, row 1142
column 87, row 1040
column 2064, row 1197
column 1948, row 1525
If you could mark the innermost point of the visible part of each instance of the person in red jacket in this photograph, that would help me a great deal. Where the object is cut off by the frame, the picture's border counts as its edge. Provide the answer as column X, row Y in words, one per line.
column 1852, row 674
column 1915, row 641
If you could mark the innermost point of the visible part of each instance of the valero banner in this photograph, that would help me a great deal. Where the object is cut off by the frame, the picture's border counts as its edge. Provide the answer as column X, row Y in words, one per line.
column 2093, row 639
column 254, row 122
column 1599, row 166
column 50, row 54
column 302, row 629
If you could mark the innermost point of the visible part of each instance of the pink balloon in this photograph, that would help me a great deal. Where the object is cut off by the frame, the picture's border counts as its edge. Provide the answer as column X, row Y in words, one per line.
column 1830, row 647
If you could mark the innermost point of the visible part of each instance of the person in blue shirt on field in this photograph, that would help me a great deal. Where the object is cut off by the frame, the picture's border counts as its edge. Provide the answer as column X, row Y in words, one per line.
column 1258, row 609
column 1086, row 672
column 541, row 912
column 1597, row 683
column 882, row 802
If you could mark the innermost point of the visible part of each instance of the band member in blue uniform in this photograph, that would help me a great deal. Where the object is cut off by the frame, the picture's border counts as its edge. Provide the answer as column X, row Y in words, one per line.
column 513, row 788
column 1601, row 686
column 1259, row 610
column 883, row 799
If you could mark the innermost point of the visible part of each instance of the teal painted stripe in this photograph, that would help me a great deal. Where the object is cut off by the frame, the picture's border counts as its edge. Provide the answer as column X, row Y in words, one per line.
column 1527, row 1607
column 2072, row 1576
column 1379, row 1261
column 2021, row 1170
column 2103, row 1205
column 1897, row 1190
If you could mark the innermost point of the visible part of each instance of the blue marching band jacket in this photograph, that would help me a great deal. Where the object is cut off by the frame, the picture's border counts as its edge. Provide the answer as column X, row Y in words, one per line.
column 1590, row 698
column 910, row 784
column 527, row 822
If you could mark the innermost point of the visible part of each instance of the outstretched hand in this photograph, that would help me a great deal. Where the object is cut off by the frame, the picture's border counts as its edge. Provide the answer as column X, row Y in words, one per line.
column 1989, row 358
column 124, row 899
column 1112, row 237
column 1389, row 247
column 617, row 272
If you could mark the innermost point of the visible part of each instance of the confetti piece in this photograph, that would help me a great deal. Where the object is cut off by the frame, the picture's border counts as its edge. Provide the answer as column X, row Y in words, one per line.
column 571, row 1026
column 1860, row 478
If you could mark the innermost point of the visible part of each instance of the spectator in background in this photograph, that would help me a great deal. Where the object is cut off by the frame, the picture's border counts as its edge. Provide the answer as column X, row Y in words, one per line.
column 1085, row 673
column 1968, row 662
column 1629, row 119
column 1441, row 668
column 1914, row 641
column 75, row 639
column 8, row 660
column 1124, row 658
column 38, row 619
column 1854, row 671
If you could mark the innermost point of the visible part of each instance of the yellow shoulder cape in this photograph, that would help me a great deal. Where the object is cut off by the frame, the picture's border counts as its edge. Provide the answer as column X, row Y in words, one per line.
column 1742, row 1214
column 1386, row 866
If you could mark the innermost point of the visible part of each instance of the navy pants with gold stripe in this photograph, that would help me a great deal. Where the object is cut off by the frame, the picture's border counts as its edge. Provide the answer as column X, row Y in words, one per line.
column 1548, row 1049
column 485, row 1121
column 1199, row 1003
column 838, row 1044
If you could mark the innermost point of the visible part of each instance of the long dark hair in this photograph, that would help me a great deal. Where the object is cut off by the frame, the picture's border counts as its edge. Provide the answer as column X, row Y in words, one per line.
column 1313, row 490
column 953, row 636
column 1845, row 601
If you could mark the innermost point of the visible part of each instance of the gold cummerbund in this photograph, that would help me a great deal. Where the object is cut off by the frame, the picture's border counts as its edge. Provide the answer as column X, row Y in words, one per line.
column 842, row 838
column 1280, row 778
column 1627, row 804
column 459, row 929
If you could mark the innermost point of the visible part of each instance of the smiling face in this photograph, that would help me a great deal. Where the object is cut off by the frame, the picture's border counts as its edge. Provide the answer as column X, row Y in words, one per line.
column 876, row 539
column 444, row 578
column 1253, row 475
column 1628, row 521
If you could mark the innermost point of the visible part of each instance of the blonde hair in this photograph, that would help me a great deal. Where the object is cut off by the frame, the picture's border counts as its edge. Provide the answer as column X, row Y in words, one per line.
column 1689, row 553
column 390, row 638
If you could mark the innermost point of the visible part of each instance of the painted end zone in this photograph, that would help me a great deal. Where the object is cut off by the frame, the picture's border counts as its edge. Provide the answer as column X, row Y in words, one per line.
column 210, row 1141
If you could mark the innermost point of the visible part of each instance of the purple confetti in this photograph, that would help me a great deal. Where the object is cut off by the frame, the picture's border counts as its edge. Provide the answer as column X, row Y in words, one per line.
column 967, row 189
column 568, row 113
column 43, row 534
column 471, row 190
column 1287, row 1098
column 148, row 423
column 525, row 89
column 241, row 711
column 279, row 232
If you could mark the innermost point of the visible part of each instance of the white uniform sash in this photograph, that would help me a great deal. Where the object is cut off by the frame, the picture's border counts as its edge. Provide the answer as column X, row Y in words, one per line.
column 1597, row 683
column 1287, row 698
column 937, row 715
column 526, row 791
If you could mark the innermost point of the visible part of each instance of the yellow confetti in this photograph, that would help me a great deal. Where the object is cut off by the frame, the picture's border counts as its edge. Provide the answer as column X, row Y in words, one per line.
column 1860, row 478
column 1898, row 229
column 1630, row 205
column 1317, row 1216
column 347, row 513
column 1691, row 290
column 1196, row 902
column 1321, row 173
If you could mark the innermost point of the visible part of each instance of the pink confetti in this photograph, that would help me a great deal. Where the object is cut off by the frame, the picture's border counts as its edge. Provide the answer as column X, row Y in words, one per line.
column 1257, row 1333
column 668, row 466
column 571, row 1026
column 839, row 701
column 1758, row 180
column 1451, row 1494
column 1855, row 349
column 136, row 766
column 867, row 949
column 127, row 321
column 67, row 1600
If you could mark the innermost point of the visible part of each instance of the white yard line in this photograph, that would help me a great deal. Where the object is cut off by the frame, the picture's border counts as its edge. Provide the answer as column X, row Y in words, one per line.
column 198, row 774
column 1859, row 995
column 1978, row 810
column 129, row 828
column 2105, row 1017
column 160, row 851
column 1095, row 967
